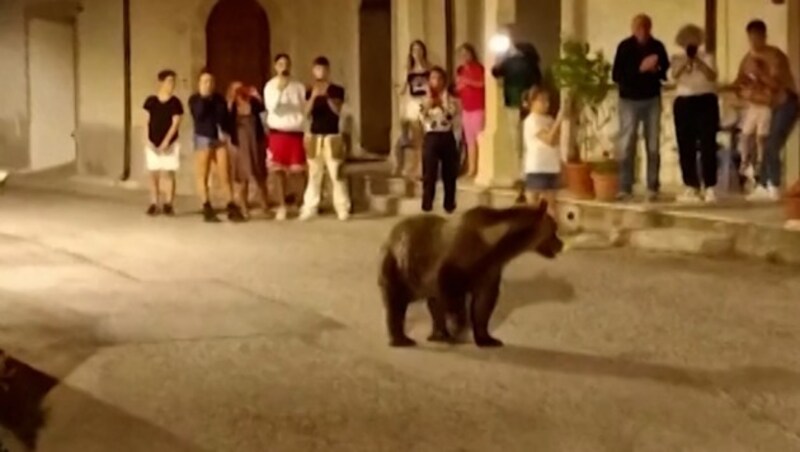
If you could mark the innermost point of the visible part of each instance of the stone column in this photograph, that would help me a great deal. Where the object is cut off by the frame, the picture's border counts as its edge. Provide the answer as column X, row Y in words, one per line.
column 792, row 152
column 498, row 161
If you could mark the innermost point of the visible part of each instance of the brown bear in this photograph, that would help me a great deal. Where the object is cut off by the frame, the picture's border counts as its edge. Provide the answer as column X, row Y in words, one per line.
column 451, row 263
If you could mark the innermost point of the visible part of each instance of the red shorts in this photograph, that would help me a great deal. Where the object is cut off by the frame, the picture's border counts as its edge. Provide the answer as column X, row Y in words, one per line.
column 286, row 151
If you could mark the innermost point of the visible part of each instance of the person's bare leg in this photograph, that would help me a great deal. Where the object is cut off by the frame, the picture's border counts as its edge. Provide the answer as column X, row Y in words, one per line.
column 761, row 144
column 472, row 161
column 155, row 188
column 534, row 197
column 202, row 165
column 224, row 172
column 264, row 191
column 415, row 154
column 550, row 197
column 280, row 193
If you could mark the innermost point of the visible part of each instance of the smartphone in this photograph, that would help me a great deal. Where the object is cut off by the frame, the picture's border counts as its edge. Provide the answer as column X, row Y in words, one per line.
column 691, row 51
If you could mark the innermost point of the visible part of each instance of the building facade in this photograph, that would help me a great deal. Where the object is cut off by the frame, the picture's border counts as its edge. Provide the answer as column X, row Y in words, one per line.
column 76, row 72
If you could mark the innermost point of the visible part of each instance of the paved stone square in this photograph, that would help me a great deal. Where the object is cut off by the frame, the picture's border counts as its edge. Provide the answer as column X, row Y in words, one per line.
column 174, row 335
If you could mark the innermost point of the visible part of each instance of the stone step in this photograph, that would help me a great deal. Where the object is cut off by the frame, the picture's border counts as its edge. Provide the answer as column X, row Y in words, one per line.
column 683, row 241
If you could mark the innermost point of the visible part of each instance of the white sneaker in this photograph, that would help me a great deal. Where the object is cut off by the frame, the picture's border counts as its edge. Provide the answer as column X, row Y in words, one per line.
column 281, row 214
column 773, row 193
column 710, row 196
column 690, row 196
column 306, row 215
column 761, row 194
column 343, row 216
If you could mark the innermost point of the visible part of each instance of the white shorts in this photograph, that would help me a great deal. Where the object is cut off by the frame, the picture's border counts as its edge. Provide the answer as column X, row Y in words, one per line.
column 413, row 108
column 757, row 120
column 169, row 160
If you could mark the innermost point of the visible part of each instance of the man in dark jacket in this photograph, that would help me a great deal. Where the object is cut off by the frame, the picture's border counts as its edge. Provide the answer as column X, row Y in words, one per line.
column 519, row 71
column 640, row 66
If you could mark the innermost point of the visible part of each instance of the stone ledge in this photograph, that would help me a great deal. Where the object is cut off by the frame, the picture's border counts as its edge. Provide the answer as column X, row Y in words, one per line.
column 683, row 241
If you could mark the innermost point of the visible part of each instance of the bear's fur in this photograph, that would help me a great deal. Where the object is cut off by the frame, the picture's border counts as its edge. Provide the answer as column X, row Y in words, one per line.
column 451, row 263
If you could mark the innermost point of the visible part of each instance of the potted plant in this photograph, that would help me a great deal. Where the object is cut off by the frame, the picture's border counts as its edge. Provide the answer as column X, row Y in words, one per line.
column 791, row 202
column 585, row 76
column 605, row 178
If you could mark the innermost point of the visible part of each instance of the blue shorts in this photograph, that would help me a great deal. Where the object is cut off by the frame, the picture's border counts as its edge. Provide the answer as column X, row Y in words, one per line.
column 205, row 143
column 542, row 181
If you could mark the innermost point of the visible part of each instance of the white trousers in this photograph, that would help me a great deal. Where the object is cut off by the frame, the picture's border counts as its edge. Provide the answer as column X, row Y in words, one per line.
column 325, row 152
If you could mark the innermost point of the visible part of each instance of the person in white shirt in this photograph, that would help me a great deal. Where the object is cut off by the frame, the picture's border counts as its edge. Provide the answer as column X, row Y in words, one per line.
column 284, row 100
column 697, row 115
column 542, row 158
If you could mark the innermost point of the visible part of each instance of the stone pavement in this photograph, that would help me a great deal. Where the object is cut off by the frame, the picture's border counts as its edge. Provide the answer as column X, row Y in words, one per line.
column 174, row 335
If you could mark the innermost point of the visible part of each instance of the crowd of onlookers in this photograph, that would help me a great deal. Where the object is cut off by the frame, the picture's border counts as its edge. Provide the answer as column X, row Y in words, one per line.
column 291, row 130
column 764, row 87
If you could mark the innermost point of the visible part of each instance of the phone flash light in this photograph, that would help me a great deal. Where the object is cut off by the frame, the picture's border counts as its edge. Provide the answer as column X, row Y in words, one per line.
column 499, row 43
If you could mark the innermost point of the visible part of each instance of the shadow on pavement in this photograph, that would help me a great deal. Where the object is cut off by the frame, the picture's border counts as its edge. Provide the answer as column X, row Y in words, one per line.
column 22, row 391
column 751, row 378
column 519, row 294
column 41, row 411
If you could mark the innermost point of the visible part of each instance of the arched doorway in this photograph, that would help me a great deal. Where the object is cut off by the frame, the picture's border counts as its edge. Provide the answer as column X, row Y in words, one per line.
column 375, row 75
column 238, row 43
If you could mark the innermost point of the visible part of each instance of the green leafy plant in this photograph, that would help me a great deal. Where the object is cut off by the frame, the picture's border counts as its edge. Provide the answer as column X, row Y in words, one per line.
column 586, row 77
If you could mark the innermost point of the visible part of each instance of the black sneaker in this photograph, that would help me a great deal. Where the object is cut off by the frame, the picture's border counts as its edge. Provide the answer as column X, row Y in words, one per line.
column 234, row 213
column 153, row 210
column 209, row 216
column 168, row 210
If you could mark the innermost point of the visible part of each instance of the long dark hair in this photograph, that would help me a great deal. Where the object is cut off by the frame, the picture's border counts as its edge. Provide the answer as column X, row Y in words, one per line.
column 446, row 88
column 424, row 48
column 470, row 49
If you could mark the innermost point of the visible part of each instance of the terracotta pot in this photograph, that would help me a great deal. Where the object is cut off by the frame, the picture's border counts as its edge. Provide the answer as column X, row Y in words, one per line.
column 606, row 185
column 791, row 206
column 579, row 180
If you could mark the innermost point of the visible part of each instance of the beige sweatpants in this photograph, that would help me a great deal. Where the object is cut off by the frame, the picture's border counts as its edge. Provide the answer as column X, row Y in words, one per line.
column 325, row 152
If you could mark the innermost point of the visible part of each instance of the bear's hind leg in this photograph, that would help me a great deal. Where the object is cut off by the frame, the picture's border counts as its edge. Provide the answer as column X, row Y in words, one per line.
column 396, row 299
column 439, row 316
column 483, row 304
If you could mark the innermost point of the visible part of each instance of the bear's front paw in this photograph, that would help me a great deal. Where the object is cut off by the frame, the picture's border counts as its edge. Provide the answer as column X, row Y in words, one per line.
column 488, row 341
column 403, row 341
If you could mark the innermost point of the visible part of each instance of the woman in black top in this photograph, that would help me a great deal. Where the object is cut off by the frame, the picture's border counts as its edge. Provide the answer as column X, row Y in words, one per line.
column 248, row 159
column 414, row 91
column 210, row 114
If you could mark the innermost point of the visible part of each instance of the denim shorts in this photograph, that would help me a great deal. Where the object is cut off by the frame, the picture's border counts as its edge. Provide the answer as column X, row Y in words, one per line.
column 202, row 143
column 542, row 181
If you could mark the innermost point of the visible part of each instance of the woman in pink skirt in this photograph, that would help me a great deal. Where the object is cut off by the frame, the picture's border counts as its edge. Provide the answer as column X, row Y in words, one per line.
column 471, row 90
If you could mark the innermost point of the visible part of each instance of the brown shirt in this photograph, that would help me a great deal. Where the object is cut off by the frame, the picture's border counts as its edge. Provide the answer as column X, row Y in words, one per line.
column 779, row 71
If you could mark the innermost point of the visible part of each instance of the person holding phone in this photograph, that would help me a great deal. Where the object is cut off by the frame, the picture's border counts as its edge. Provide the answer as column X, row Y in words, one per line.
column 285, row 102
column 697, row 116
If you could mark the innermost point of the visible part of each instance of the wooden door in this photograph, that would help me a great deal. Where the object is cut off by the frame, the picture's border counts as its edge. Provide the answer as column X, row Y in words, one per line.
column 238, row 43
column 375, row 34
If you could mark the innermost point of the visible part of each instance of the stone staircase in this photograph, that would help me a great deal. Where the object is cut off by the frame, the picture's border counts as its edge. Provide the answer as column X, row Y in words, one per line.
column 731, row 228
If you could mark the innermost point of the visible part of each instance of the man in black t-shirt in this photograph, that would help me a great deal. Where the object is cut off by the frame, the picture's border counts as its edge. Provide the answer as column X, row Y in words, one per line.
column 161, row 147
column 324, row 145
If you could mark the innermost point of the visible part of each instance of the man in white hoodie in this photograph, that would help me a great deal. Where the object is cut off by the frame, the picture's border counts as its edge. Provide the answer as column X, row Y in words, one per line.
column 284, row 99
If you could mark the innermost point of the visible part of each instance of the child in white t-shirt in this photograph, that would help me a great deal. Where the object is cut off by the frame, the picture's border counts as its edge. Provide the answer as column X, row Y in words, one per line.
column 542, row 159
